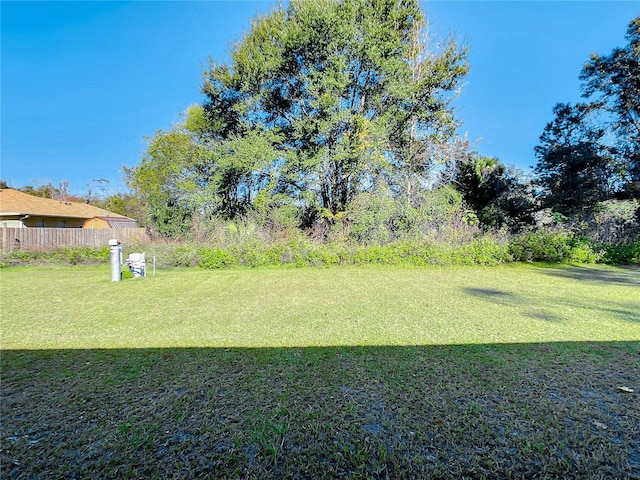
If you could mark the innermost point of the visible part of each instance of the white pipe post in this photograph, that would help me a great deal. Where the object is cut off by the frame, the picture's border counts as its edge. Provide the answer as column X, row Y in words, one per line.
column 115, row 255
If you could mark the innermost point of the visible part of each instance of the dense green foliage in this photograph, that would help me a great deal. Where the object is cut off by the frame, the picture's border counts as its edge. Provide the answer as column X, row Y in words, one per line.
column 496, row 194
column 257, row 249
column 125, row 204
column 574, row 170
column 553, row 247
column 322, row 101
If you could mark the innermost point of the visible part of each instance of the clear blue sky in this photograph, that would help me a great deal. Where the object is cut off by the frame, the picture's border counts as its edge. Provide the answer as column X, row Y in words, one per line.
column 83, row 83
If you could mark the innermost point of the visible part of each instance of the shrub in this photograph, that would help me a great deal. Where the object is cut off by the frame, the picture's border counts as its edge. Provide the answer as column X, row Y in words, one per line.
column 540, row 246
column 369, row 216
column 377, row 254
column 213, row 258
column 615, row 222
column 581, row 250
column 326, row 255
column 298, row 250
column 23, row 255
column 620, row 254
column 487, row 251
column 249, row 253
column 553, row 247
column 126, row 275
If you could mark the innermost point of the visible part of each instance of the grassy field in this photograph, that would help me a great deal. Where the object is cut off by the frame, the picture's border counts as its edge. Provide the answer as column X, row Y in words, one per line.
column 473, row 372
column 80, row 308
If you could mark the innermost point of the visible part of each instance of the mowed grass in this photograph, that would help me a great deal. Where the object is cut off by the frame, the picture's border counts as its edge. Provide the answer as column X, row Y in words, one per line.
column 378, row 372
column 80, row 308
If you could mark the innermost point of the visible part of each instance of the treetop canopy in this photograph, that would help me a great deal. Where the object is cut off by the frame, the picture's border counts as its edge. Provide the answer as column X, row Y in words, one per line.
column 321, row 100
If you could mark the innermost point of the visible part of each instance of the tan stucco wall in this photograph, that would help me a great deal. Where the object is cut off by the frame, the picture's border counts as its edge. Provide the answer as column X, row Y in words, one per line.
column 95, row 223
column 53, row 222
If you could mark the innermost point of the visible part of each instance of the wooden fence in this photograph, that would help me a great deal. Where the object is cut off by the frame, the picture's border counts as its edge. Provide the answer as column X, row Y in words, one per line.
column 38, row 238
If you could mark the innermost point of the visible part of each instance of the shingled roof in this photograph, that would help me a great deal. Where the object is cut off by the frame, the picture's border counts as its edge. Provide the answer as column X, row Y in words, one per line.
column 114, row 222
column 14, row 202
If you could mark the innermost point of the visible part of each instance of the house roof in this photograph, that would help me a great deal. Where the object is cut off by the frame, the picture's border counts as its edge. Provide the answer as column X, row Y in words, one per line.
column 118, row 222
column 14, row 202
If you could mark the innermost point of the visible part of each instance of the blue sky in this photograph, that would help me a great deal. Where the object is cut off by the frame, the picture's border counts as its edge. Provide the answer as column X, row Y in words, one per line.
column 83, row 83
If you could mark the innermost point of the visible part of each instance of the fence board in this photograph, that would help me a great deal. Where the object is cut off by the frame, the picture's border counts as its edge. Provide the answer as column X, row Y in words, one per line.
column 50, row 238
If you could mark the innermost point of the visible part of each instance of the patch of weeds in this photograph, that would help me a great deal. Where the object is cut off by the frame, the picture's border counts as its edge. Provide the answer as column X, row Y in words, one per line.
column 59, row 256
column 126, row 275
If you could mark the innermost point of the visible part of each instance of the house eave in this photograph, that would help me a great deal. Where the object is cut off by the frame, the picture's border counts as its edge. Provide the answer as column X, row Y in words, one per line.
column 12, row 214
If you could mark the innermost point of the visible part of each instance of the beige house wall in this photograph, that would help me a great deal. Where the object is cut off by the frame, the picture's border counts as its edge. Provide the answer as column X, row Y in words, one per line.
column 36, row 221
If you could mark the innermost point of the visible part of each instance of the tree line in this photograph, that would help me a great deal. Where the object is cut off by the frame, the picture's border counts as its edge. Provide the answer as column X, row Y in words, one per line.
column 332, row 110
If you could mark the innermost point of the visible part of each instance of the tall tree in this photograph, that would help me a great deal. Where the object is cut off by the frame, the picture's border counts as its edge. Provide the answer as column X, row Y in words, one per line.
column 612, row 84
column 171, row 174
column 125, row 204
column 574, row 170
column 346, row 90
column 480, row 180
column 321, row 100
column 590, row 152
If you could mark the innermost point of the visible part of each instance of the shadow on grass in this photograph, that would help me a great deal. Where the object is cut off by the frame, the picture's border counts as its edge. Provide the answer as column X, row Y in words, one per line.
column 528, row 307
column 619, row 276
column 628, row 311
column 488, row 292
column 452, row 411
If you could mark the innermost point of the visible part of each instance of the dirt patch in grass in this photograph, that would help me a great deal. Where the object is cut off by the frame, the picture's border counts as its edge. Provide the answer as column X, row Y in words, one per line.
column 476, row 411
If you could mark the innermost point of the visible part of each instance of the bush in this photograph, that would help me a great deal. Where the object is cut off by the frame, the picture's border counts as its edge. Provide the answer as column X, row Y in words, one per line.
column 456, row 247
column 621, row 254
column 303, row 252
column 553, row 247
column 377, row 255
column 213, row 258
column 18, row 256
column 485, row 251
column 369, row 216
column 326, row 255
column 126, row 275
column 539, row 246
column 614, row 222
column 581, row 250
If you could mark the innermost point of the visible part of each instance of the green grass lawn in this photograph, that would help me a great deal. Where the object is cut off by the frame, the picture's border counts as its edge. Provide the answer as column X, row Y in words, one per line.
column 378, row 372
column 81, row 308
